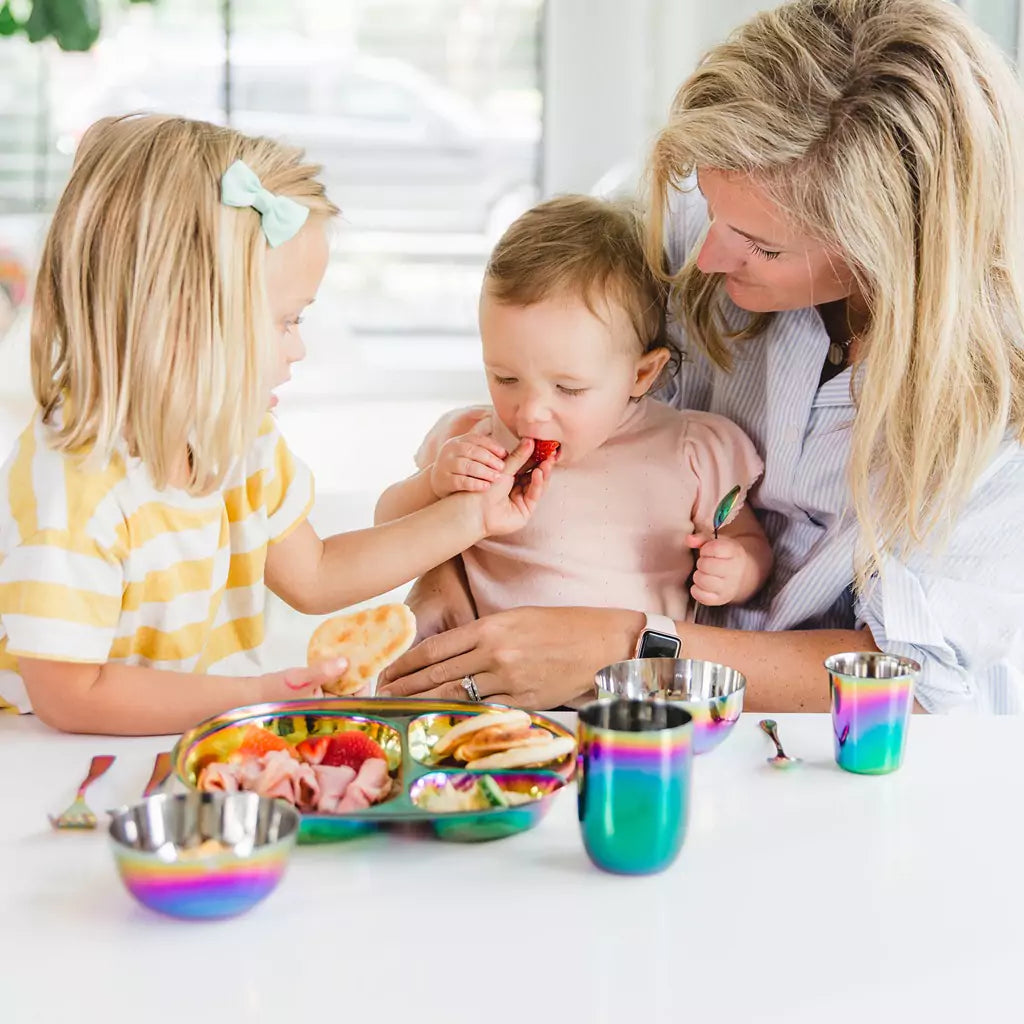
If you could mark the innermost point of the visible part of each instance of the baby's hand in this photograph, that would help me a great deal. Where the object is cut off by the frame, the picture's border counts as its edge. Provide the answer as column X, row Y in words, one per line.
column 721, row 568
column 471, row 462
column 299, row 683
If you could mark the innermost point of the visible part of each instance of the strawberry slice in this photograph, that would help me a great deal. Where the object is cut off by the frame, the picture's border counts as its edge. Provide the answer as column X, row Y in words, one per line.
column 313, row 749
column 351, row 748
column 257, row 741
column 542, row 451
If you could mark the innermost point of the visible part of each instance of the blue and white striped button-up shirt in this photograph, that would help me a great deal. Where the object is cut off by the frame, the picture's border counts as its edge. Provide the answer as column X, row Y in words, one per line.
column 959, row 610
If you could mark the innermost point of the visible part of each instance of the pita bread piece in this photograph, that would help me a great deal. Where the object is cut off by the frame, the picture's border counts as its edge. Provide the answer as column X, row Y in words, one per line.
column 370, row 639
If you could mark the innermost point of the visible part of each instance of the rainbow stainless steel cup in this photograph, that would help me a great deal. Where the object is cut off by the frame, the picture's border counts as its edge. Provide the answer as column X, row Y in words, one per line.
column 872, row 696
column 635, row 759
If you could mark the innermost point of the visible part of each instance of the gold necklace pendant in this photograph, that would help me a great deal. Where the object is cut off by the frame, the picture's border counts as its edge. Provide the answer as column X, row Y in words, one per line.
column 836, row 354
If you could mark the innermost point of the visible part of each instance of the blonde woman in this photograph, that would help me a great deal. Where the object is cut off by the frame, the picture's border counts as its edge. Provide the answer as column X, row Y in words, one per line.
column 152, row 496
column 840, row 189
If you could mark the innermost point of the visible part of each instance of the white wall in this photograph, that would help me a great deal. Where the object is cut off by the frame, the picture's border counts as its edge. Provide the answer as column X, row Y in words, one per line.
column 611, row 69
column 1001, row 19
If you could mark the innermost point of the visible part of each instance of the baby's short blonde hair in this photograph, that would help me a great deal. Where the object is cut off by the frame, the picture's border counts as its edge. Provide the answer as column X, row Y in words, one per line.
column 580, row 245
column 151, row 324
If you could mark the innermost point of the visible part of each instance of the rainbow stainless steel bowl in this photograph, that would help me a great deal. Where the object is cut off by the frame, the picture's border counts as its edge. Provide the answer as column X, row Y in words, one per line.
column 203, row 855
column 712, row 693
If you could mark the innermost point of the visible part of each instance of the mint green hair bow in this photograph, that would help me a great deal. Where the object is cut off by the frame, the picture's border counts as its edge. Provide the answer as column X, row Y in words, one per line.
column 280, row 217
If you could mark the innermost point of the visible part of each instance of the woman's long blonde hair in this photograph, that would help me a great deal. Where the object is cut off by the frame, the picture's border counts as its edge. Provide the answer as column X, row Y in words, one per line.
column 893, row 131
column 151, row 324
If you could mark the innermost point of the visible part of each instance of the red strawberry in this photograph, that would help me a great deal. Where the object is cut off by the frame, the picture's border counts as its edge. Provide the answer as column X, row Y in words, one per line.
column 542, row 451
column 351, row 748
column 313, row 749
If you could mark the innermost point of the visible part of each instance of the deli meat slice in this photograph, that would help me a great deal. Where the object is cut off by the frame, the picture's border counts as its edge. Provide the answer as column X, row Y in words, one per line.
column 278, row 778
column 368, row 787
column 307, row 787
column 217, row 777
column 333, row 781
column 248, row 771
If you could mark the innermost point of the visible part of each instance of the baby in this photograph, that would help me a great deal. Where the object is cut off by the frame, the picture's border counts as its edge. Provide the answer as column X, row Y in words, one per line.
column 572, row 324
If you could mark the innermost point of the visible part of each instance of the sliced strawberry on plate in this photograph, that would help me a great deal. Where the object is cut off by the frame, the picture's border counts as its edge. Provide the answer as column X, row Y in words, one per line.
column 352, row 749
column 313, row 749
column 257, row 741
column 542, row 451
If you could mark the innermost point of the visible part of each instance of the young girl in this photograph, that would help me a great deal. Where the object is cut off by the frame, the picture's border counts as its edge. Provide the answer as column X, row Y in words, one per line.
column 152, row 496
column 572, row 326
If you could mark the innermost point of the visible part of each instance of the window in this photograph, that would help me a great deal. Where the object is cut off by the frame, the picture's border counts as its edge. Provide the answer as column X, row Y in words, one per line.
column 425, row 115
column 261, row 91
column 373, row 101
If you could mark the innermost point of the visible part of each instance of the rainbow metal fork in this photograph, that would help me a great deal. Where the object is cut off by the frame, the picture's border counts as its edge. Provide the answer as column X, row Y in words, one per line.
column 161, row 771
column 78, row 814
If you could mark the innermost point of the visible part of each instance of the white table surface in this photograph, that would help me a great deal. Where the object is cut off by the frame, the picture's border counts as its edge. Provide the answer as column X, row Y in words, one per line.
column 809, row 895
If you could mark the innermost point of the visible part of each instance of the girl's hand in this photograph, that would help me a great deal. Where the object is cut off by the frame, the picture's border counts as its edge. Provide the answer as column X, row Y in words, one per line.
column 300, row 683
column 723, row 566
column 507, row 506
column 471, row 462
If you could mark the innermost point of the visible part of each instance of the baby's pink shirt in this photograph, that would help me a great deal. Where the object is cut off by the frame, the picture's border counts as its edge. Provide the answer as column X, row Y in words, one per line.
column 610, row 529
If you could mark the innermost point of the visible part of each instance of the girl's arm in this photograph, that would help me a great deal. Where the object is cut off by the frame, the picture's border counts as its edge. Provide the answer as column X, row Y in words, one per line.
column 405, row 497
column 127, row 700
column 320, row 576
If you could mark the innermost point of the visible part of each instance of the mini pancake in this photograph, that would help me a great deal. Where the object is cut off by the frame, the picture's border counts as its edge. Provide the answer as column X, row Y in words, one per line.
column 458, row 734
column 498, row 738
column 525, row 757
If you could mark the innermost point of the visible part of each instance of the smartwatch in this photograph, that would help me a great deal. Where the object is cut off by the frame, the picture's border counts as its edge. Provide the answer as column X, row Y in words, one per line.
column 658, row 639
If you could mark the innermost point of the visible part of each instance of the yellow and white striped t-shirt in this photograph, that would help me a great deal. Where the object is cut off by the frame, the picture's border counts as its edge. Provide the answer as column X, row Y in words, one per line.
column 97, row 565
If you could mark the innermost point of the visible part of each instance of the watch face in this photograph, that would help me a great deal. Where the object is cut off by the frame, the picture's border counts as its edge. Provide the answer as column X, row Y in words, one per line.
column 658, row 645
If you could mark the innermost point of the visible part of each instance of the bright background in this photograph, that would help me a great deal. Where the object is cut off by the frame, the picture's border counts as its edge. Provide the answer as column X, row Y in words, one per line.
column 437, row 122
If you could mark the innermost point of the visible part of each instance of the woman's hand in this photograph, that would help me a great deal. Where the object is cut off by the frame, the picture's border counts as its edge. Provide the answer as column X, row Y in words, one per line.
column 470, row 462
column 536, row 658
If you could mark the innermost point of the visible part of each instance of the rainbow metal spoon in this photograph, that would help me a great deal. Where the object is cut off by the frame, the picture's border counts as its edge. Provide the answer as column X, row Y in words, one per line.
column 724, row 508
column 781, row 759
column 721, row 514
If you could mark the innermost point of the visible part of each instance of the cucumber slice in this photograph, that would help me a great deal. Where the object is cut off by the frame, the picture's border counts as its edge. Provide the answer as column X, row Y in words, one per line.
column 492, row 792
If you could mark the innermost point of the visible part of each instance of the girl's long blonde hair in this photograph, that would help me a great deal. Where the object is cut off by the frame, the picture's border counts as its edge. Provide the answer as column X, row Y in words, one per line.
column 893, row 131
column 151, row 324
